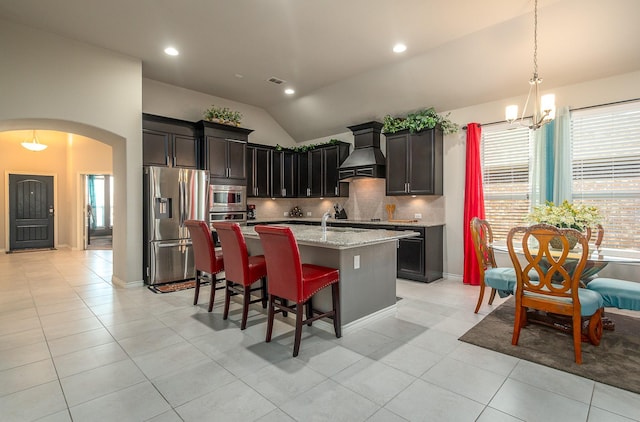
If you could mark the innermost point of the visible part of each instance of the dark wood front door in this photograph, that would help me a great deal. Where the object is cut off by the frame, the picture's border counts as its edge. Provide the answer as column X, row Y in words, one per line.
column 30, row 211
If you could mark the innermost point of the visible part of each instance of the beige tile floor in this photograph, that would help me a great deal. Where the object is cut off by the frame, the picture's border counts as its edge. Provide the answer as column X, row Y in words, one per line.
column 72, row 347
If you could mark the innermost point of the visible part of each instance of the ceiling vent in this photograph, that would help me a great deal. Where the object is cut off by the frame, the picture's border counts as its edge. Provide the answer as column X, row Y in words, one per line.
column 276, row 81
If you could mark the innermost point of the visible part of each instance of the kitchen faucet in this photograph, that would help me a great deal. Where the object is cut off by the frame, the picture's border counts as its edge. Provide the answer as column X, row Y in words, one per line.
column 325, row 217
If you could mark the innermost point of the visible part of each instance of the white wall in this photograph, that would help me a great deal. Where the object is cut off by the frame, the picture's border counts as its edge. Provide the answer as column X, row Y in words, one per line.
column 49, row 82
column 180, row 103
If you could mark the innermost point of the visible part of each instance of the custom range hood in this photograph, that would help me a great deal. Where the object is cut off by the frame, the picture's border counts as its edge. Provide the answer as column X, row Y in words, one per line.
column 367, row 159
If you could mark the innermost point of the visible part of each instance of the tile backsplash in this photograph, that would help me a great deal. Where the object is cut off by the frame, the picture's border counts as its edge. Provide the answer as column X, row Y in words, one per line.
column 366, row 200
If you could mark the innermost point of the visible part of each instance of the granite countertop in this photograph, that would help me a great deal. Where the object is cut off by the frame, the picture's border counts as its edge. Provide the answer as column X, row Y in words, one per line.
column 336, row 237
column 293, row 220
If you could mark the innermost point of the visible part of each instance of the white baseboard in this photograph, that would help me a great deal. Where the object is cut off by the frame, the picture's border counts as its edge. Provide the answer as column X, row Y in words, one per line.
column 358, row 323
column 121, row 283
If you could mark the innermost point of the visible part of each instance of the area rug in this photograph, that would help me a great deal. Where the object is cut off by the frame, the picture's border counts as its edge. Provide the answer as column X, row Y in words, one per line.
column 616, row 361
column 174, row 287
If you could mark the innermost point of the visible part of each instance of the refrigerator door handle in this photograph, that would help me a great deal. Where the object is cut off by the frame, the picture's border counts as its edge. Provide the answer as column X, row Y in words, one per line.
column 174, row 244
column 181, row 203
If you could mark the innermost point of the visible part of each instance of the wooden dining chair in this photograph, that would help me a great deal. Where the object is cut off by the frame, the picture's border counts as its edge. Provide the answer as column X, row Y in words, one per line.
column 599, row 235
column 291, row 281
column 500, row 279
column 554, row 290
column 208, row 261
column 241, row 270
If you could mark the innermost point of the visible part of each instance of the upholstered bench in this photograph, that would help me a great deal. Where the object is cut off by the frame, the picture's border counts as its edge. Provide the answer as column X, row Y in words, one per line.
column 616, row 293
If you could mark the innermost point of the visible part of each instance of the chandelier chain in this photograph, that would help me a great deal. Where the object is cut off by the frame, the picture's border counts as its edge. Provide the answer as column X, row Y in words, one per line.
column 535, row 40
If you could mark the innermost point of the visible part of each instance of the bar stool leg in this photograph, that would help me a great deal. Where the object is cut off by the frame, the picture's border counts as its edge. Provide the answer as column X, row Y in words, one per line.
column 309, row 306
column 298, row 335
column 227, row 299
column 195, row 299
column 245, row 306
column 335, row 297
column 270, row 316
column 263, row 284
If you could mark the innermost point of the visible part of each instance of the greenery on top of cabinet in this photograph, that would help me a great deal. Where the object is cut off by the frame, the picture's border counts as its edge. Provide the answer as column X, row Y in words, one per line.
column 309, row 147
column 222, row 115
column 418, row 121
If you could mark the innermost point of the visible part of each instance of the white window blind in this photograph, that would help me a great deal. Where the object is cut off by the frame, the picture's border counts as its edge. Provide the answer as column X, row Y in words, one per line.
column 505, row 155
column 606, row 168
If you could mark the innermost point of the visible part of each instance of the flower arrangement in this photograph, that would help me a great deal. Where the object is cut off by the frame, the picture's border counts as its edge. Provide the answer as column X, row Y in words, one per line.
column 223, row 115
column 566, row 215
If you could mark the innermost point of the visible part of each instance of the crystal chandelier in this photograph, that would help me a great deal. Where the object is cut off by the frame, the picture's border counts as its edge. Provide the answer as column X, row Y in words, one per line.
column 34, row 145
column 544, row 108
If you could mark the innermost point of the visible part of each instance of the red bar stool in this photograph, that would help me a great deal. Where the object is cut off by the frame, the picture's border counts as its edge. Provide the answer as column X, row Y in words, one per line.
column 207, row 259
column 292, row 281
column 241, row 270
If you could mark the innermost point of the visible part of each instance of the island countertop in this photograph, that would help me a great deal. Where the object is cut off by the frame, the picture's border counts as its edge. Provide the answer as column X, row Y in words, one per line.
column 345, row 222
column 336, row 237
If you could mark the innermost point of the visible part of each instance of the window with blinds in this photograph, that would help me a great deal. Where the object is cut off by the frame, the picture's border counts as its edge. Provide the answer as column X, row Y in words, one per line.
column 505, row 156
column 606, row 168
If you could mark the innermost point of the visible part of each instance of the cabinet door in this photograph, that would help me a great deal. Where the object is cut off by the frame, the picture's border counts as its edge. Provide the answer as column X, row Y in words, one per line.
column 304, row 165
column 250, row 166
column 236, row 159
column 330, row 170
column 316, row 173
column 277, row 174
column 155, row 148
column 411, row 258
column 185, row 151
column 283, row 174
column 397, row 151
column 262, row 172
column 290, row 170
column 421, row 163
column 217, row 156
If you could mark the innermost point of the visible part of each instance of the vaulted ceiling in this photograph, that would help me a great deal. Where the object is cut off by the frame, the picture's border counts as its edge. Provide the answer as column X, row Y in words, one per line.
column 337, row 53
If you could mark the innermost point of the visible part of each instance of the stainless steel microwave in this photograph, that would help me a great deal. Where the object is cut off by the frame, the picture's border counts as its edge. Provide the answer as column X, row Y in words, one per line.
column 225, row 198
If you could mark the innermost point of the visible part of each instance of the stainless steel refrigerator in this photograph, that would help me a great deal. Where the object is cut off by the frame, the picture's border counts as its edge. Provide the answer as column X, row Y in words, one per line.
column 171, row 196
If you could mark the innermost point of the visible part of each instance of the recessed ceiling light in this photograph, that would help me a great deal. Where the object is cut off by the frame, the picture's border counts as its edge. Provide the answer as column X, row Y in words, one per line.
column 399, row 48
column 171, row 51
column 289, row 91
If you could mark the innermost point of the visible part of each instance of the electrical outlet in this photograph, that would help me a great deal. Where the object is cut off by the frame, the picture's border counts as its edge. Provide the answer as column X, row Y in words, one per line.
column 308, row 213
column 417, row 215
column 356, row 262
column 286, row 214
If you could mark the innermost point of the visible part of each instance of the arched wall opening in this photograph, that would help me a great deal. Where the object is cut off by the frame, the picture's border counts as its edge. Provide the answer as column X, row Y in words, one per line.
column 116, row 165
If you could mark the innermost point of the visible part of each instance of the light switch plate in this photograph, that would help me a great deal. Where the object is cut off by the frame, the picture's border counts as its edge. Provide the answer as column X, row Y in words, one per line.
column 286, row 214
column 308, row 213
column 356, row 262
column 417, row 215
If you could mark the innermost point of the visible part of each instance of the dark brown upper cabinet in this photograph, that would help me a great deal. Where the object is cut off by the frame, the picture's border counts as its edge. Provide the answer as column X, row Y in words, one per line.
column 318, row 171
column 414, row 163
column 284, row 171
column 169, row 142
column 259, row 171
column 225, row 152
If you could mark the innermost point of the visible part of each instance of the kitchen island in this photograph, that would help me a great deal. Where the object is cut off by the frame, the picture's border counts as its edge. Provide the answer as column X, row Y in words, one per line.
column 366, row 260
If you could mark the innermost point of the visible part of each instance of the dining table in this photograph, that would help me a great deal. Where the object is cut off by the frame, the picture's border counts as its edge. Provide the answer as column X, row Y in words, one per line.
column 597, row 259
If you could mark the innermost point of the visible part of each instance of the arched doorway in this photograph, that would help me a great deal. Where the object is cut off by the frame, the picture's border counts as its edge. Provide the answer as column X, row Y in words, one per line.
column 75, row 135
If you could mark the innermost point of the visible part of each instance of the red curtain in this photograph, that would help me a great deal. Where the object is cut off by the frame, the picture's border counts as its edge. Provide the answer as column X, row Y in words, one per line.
column 473, row 201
